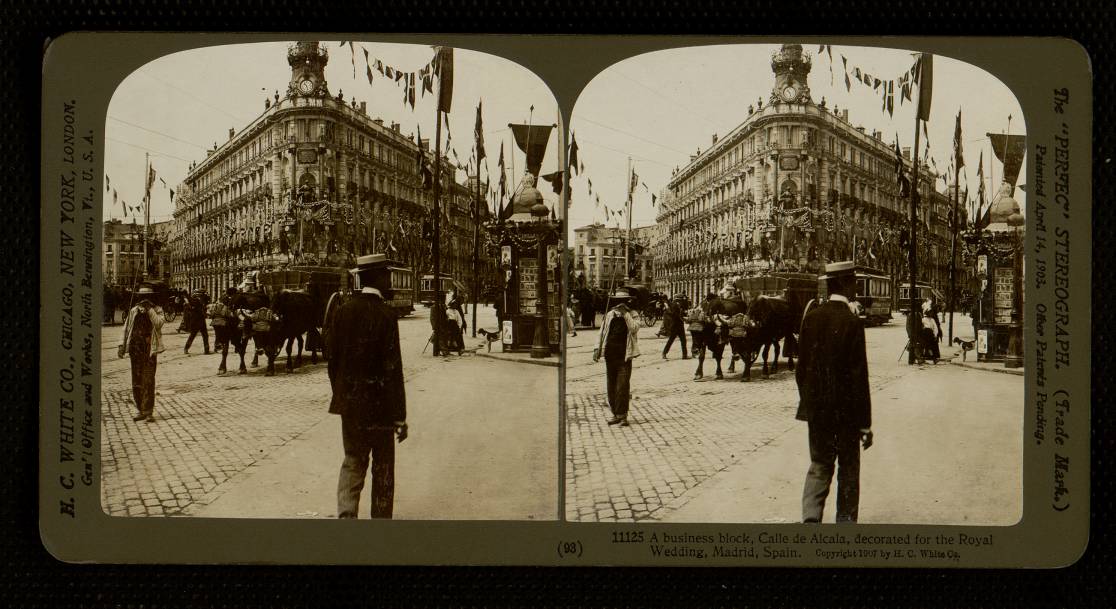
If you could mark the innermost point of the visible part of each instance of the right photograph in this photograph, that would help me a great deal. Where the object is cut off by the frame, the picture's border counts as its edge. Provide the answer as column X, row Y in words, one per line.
column 796, row 287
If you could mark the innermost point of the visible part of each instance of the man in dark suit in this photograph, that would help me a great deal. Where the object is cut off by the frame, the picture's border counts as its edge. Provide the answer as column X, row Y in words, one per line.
column 834, row 400
column 674, row 322
column 366, row 375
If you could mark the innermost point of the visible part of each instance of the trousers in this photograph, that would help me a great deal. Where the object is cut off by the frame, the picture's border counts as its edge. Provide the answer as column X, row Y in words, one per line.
column 363, row 445
column 618, row 378
column 204, row 335
column 677, row 330
column 143, row 380
column 829, row 445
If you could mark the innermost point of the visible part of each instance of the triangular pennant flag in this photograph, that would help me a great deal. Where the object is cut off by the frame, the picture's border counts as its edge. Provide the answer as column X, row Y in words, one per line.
column 848, row 82
column 573, row 153
column 107, row 183
column 478, row 136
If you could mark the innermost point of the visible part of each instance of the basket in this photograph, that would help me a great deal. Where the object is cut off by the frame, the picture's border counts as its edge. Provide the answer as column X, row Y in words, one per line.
column 695, row 326
column 738, row 332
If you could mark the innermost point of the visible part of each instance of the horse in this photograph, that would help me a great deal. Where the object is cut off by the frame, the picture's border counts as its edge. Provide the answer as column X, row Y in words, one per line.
column 706, row 333
column 297, row 314
column 227, row 330
column 769, row 320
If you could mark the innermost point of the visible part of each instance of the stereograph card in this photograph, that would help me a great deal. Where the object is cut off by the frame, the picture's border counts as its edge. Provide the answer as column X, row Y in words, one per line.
column 503, row 300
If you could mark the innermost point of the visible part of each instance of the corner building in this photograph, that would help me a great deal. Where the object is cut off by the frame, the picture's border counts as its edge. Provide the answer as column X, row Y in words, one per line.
column 315, row 180
column 792, row 187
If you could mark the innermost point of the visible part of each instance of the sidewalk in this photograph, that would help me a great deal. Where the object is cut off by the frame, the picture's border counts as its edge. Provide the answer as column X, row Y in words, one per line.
column 947, row 451
column 477, row 450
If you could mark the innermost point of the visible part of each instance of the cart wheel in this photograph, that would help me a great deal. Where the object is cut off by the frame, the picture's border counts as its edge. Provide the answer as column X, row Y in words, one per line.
column 171, row 315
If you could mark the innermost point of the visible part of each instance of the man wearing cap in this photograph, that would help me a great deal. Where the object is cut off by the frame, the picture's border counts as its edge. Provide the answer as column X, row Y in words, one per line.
column 619, row 344
column 676, row 328
column 366, row 375
column 143, row 342
column 834, row 400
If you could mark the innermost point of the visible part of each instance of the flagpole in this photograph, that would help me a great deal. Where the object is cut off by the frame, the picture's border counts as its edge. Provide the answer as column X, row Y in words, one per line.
column 476, row 246
column 436, row 249
column 953, row 229
column 628, row 235
column 146, row 209
column 913, row 327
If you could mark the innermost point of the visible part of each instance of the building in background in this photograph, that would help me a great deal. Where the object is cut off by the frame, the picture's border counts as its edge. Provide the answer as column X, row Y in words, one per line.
column 122, row 253
column 315, row 180
column 792, row 187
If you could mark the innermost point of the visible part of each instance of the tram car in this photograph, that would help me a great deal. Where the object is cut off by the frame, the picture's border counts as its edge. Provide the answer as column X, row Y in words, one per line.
column 873, row 292
column 426, row 288
column 925, row 290
column 402, row 288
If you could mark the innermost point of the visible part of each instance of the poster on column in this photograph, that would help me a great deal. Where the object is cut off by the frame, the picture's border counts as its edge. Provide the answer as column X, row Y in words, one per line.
column 699, row 485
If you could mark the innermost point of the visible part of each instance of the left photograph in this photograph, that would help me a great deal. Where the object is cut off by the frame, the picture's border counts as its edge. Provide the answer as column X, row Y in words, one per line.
column 322, row 279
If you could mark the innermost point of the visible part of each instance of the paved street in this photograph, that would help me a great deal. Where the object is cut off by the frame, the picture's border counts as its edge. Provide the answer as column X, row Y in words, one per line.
column 948, row 445
column 256, row 446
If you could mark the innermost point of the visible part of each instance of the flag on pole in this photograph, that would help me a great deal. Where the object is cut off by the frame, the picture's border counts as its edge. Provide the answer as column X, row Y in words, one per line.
column 479, row 132
column 108, row 182
column 901, row 179
column 960, row 159
column 634, row 182
column 445, row 72
column 573, row 154
column 503, row 171
column 925, row 79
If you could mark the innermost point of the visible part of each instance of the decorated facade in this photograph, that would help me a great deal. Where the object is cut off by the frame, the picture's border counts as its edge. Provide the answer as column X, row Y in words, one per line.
column 792, row 187
column 315, row 180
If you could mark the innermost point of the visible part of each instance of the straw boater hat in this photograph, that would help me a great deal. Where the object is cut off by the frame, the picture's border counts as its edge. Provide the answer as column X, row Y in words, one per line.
column 835, row 270
column 621, row 294
column 371, row 262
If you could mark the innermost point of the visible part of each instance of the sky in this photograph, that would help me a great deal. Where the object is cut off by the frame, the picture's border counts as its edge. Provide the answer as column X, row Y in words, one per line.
column 659, row 108
column 179, row 105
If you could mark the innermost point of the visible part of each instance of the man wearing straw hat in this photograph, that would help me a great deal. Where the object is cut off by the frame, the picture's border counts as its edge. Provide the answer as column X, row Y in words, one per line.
column 143, row 342
column 366, row 375
column 834, row 400
column 619, row 344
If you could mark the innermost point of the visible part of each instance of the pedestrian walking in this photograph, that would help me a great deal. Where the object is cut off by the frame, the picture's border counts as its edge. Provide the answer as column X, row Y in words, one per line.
column 366, row 375
column 143, row 342
column 675, row 326
column 619, row 345
column 834, row 398
column 193, row 320
column 571, row 315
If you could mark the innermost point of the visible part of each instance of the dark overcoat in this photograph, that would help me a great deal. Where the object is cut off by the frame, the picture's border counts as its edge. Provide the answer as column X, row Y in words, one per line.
column 366, row 365
column 832, row 371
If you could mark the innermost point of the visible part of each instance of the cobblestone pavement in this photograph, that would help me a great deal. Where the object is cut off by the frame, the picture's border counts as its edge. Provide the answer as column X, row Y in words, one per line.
column 682, row 432
column 210, row 428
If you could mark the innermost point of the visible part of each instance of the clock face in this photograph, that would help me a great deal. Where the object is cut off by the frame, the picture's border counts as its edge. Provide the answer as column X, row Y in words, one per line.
column 790, row 93
column 306, row 86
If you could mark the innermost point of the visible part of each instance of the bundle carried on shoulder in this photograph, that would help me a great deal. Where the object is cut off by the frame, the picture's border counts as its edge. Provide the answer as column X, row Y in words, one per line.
column 219, row 313
column 262, row 318
column 738, row 325
column 696, row 319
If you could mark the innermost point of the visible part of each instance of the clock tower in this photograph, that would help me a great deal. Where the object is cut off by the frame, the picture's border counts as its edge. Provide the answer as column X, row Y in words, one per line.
column 307, row 61
column 791, row 67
